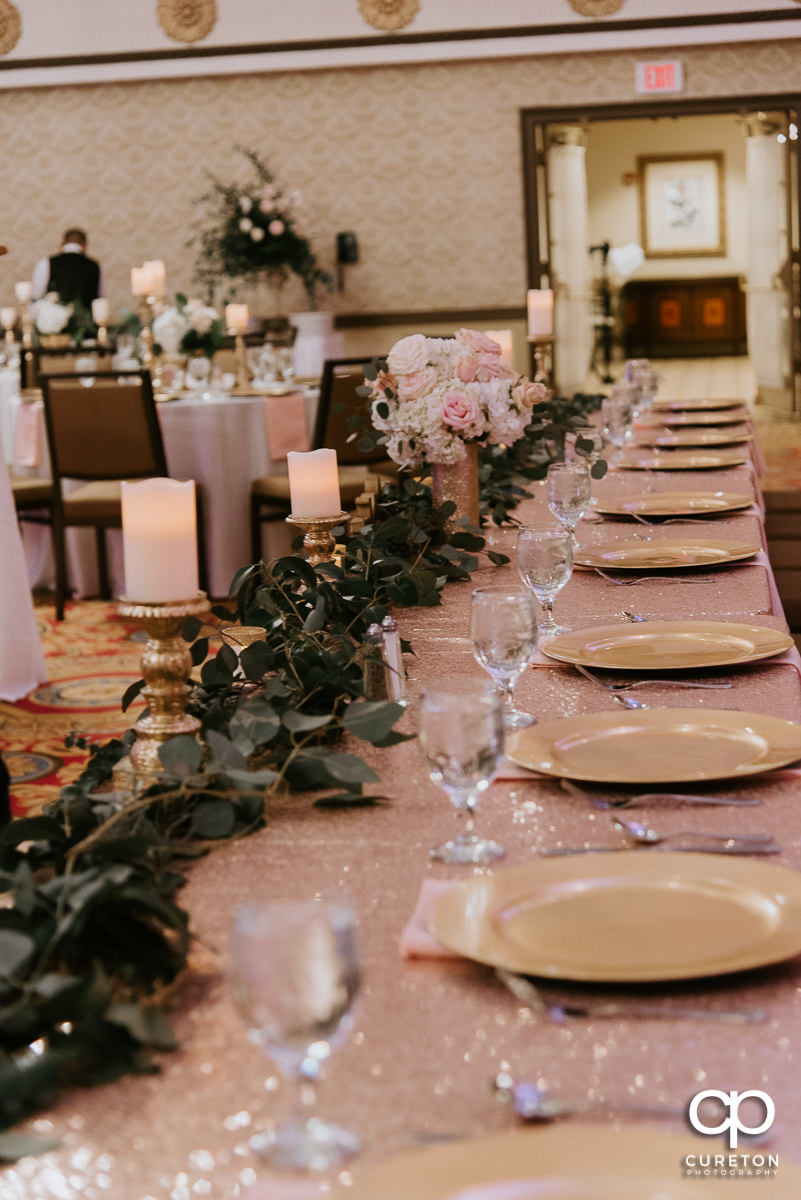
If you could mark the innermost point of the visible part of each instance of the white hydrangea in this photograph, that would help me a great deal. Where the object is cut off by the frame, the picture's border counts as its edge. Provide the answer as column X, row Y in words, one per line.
column 49, row 316
column 169, row 328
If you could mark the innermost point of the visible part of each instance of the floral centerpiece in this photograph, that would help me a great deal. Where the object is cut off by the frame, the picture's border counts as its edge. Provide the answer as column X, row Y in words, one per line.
column 187, row 327
column 435, row 396
column 256, row 229
column 50, row 316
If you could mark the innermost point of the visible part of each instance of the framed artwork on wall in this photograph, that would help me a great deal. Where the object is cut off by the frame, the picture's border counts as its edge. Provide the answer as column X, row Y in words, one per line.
column 682, row 205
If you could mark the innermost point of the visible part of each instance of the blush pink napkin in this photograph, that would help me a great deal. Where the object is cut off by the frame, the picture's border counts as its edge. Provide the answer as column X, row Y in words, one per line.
column 415, row 940
column 286, row 424
column 28, row 449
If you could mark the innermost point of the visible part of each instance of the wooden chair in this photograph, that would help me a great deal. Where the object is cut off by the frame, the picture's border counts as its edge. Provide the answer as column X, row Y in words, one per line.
column 269, row 495
column 100, row 433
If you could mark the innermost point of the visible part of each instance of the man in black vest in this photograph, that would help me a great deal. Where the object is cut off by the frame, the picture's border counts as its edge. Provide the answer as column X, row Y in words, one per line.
column 70, row 273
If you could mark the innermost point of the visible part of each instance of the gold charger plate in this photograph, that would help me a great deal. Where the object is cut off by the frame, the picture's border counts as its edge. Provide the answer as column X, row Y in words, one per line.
column 665, row 553
column 671, row 418
column 559, row 1162
column 691, row 437
column 625, row 916
column 657, row 745
column 702, row 404
column 681, row 460
column 675, row 504
column 667, row 645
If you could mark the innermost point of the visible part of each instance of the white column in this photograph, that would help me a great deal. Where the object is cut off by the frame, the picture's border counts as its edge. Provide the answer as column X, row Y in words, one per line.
column 767, row 303
column 571, row 274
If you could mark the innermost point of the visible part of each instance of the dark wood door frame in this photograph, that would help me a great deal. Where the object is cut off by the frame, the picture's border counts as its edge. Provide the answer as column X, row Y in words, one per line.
column 533, row 126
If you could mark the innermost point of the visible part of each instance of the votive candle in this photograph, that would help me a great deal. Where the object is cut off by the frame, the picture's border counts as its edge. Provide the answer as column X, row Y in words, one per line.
column 540, row 312
column 156, row 277
column 313, row 483
column 237, row 317
column 8, row 317
column 23, row 291
column 139, row 281
column 100, row 311
column 159, row 540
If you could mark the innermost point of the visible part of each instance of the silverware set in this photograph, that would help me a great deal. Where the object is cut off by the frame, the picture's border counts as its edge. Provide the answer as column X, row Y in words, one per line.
column 651, row 578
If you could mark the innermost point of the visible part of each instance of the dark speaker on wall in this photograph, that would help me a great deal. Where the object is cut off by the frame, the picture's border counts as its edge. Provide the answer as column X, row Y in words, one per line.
column 347, row 248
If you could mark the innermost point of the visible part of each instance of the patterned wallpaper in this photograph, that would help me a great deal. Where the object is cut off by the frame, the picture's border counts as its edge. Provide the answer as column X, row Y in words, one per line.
column 422, row 162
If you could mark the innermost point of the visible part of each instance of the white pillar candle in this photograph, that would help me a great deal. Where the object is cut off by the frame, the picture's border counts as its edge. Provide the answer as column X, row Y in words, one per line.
column 504, row 339
column 100, row 311
column 314, row 483
column 8, row 316
column 139, row 281
column 23, row 291
column 159, row 540
column 540, row 312
column 237, row 317
column 156, row 277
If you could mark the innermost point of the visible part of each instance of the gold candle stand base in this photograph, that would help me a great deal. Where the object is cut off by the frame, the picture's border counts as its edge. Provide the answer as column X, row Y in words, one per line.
column 166, row 666
column 542, row 347
column 242, row 384
column 318, row 542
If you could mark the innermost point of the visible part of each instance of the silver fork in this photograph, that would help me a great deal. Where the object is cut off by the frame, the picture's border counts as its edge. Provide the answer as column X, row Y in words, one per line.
column 652, row 578
column 626, row 687
column 606, row 803
column 528, row 994
column 692, row 839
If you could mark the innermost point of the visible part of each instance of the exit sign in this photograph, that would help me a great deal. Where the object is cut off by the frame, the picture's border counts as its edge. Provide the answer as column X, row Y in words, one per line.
column 664, row 76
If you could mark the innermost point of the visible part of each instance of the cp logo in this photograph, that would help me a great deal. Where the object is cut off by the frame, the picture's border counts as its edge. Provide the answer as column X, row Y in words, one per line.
column 731, row 1101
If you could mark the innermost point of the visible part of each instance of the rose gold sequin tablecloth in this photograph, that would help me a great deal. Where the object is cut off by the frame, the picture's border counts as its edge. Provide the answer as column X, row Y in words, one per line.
column 430, row 1035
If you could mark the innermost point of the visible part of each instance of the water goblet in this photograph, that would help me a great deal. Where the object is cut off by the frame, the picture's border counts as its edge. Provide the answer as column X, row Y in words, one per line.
column 503, row 630
column 198, row 373
column 294, row 976
column 462, row 739
column 545, row 563
column 616, row 420
column 285, row 362
column 568, row 490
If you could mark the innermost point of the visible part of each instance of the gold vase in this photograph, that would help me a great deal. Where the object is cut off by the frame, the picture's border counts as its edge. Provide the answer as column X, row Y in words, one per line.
column 458, row 482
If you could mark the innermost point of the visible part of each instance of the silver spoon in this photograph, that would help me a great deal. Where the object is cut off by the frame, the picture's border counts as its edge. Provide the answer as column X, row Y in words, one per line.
column 606, row 803
column 632, row 616
column 629, row 684
column 531, row 996
column 533, row 1103
column 628, row 701
column 643, row 835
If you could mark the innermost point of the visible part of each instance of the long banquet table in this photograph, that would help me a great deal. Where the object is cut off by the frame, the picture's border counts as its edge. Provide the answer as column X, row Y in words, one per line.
column 430, row 1035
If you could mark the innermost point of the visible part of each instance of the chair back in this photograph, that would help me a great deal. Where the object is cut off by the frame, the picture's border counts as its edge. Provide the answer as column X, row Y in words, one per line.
column 339, row 401
column 103, row 426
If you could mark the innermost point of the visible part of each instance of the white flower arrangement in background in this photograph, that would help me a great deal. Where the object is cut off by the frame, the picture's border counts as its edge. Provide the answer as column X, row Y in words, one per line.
column 187, row 327
column 435, row 394
column 49, row 315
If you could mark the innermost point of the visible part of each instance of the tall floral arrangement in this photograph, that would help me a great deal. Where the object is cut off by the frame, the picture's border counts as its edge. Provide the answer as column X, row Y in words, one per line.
column 435, row 394
column 256, row 228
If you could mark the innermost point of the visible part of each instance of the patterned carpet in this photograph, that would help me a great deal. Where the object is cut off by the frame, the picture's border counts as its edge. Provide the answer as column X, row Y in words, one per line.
column 92, row 657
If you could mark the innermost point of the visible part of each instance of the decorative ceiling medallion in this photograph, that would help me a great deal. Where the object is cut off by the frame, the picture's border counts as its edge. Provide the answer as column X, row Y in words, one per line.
column 388, row 14
column 597, row 8
column 187, row 20
column 10, row 26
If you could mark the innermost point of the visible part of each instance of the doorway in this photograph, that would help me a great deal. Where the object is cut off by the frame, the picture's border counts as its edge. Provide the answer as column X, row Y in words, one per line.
column 682, row 296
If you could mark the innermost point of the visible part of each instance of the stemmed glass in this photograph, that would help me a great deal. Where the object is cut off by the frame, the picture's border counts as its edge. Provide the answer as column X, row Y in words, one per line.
column 462, row 739
column 616, row 419
column 503, row 630
column 568, row 490
column 545, row 563
column 294, row 976
column 585, row 445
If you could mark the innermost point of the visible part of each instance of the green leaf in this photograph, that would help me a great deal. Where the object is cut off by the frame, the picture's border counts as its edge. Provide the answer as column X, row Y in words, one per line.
column 224, row 752
column 499, row 559
column 298, row 722
column 598, row 469
column 371, row 720
column 213, row 818
column 147, row 1023
column 348, row 800
column 348, row 769
column 191, row 628
column 130, row 694
column 316, row 618
column 15, row 950
column 467, row 541
column 15, row 1145
column 257, row 660
column 198, row 651
column 181, row 754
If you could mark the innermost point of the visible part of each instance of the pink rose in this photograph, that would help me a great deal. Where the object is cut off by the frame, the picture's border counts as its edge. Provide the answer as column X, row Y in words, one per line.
column 527, row 393
column 467, row 368
column 460, row 410
column 276, row 227
column 479, row 343
column 416, row 383
column 491, row 367
column 408, row 355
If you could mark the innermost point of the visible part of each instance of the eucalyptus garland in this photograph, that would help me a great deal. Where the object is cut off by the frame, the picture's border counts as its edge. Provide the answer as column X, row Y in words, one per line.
column 94, row 939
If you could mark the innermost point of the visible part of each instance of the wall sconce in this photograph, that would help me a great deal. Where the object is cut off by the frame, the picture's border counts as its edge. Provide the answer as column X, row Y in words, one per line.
column 347, row 253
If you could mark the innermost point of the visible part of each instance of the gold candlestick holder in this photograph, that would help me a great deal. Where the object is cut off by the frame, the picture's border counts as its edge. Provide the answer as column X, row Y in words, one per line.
column 146, row 304
column 318, row 541
column 542, row 348
column 26, row 366
column 166, row 666
column 102, row 336
column 242, row 383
